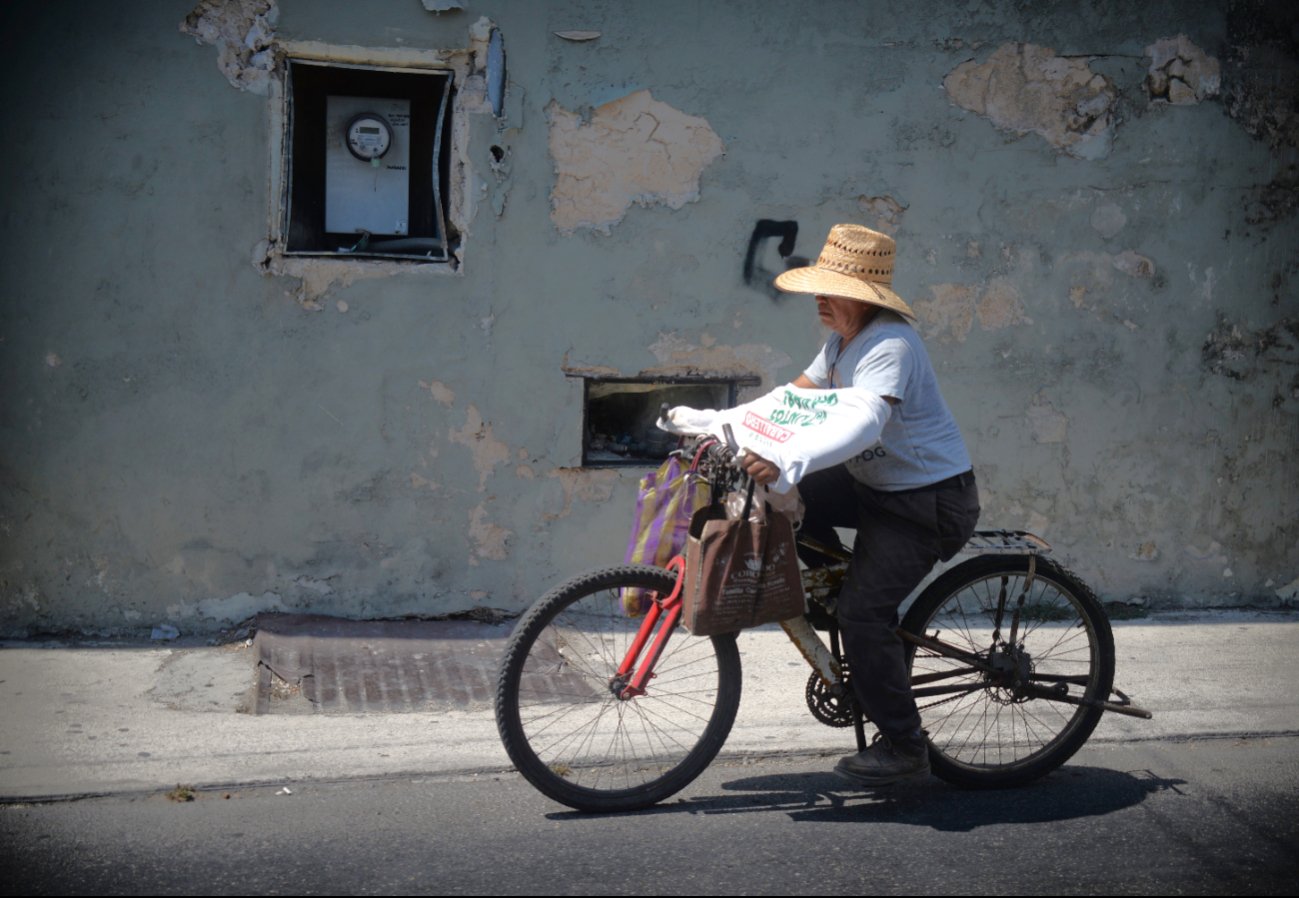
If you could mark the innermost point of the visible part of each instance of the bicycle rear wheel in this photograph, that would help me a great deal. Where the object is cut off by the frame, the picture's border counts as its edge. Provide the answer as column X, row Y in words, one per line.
column 1023, row 700
column 560, row 712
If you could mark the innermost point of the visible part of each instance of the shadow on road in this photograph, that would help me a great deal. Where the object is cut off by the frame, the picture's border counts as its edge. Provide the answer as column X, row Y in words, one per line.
column 1073, row 792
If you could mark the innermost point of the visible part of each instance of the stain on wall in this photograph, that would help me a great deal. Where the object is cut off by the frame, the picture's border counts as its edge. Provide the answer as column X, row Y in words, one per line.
column 1260, row 70
column 632, row 150
column 1245, row 354
column 1026, row 88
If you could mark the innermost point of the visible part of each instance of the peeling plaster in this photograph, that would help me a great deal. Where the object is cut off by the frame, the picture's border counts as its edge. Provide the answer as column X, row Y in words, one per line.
column 632, row 150
column 489, row 540
column 1026, row 88
column 1091, row 275
column 317, row 277
column 579, row 370
column 488, row 452
column 1000, row 306
column 1147, row 551
column 886, row 211
column 677, row 356
column 1181, row 74
column 1134, row 264
column 440, row 392
column 585, row 485
column 1212, row 555
column 951, row 314
column 243, row 31
column 228, row 610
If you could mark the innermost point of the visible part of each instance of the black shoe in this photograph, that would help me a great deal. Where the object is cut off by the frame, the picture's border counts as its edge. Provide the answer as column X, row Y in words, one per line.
column 885, row 762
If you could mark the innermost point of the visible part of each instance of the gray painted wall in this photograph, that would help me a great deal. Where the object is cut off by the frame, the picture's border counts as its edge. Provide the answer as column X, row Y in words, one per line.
column 1105, row 280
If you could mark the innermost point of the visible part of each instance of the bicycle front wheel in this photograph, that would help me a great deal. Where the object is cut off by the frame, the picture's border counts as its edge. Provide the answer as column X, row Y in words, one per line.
column 1011, row 690
column 560, row 710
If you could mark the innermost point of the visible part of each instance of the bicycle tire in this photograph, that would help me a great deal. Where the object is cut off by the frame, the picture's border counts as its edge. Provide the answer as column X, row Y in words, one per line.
column 991, row 731
column 568, row 732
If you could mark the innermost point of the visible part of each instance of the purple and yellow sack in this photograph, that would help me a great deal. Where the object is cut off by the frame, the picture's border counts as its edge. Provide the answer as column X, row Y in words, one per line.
column 668, row 499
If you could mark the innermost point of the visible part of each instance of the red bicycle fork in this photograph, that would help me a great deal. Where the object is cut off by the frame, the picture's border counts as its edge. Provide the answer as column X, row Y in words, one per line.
column 663, row 615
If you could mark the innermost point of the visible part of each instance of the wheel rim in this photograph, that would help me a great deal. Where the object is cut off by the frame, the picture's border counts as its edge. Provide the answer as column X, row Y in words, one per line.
column 987, row 719
column 574, row 720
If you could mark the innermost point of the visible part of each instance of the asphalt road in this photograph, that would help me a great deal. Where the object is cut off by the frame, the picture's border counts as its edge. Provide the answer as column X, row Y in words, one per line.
column 1163, row 817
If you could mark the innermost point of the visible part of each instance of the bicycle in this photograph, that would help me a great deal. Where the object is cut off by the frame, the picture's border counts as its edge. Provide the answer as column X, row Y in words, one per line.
column 1011, row 654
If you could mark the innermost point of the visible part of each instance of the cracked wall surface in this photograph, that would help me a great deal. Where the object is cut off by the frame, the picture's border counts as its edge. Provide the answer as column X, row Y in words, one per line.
column 1095, row 219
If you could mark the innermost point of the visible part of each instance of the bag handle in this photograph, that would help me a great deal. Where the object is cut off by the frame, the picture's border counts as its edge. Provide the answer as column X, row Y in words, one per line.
column 748, row 500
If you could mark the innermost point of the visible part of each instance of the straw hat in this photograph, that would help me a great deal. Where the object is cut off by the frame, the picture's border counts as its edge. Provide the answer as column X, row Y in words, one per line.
column 856, row 263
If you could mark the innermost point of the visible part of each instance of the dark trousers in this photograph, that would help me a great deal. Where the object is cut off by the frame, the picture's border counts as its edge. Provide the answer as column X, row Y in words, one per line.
column 900, row 537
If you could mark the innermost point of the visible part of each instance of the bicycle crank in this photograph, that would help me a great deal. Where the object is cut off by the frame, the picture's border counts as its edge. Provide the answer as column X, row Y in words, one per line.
column 832, row 705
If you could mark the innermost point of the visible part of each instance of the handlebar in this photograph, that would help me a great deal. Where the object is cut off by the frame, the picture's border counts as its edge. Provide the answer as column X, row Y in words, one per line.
column 717, row 459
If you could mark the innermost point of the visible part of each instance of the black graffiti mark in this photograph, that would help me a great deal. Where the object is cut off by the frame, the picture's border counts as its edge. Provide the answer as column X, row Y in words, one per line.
column 755, row 275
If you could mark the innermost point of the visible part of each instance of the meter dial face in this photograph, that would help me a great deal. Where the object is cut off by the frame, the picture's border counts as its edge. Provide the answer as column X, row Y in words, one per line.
column 369, row 136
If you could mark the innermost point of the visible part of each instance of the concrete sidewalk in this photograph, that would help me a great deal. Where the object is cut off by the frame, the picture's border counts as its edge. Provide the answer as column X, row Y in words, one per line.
column 83, row 719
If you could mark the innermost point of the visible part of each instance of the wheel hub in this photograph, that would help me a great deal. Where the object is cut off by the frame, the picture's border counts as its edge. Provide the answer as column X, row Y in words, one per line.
column 1011, row 670
column 618, row 688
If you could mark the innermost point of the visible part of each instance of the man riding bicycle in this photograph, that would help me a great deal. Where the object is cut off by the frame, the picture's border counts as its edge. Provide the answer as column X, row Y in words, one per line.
column 909, row 492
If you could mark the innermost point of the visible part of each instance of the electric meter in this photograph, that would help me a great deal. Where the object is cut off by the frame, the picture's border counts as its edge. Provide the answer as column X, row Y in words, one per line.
column 369, row 136
column 367, row 165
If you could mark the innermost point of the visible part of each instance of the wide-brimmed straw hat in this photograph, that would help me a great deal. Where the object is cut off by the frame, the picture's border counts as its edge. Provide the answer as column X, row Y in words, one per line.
column 856, row 263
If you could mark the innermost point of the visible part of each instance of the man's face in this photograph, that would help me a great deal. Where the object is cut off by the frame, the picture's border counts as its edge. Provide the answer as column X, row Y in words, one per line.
column 843, row 316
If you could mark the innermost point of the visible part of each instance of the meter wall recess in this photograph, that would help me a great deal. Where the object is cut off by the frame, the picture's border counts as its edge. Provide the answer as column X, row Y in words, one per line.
column 367, row 162
column 367, row 165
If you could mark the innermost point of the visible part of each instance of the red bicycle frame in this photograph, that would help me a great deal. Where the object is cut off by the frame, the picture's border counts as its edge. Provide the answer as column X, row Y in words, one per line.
column 661, row 611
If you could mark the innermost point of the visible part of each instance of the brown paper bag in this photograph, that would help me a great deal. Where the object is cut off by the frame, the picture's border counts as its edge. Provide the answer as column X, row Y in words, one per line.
column 740, row 571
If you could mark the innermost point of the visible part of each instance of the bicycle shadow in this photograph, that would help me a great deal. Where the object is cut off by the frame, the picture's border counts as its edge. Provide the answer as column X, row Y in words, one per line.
column 822, row 797
column 1069, row 794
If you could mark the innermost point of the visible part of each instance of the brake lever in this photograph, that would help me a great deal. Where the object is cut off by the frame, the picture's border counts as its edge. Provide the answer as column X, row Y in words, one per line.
column 732, row 447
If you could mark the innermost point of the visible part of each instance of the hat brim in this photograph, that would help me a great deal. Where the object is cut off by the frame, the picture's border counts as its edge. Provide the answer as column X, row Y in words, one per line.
column 832, row 283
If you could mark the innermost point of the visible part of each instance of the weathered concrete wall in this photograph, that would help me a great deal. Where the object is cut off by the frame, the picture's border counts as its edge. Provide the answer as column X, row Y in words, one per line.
column 1096, row 220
